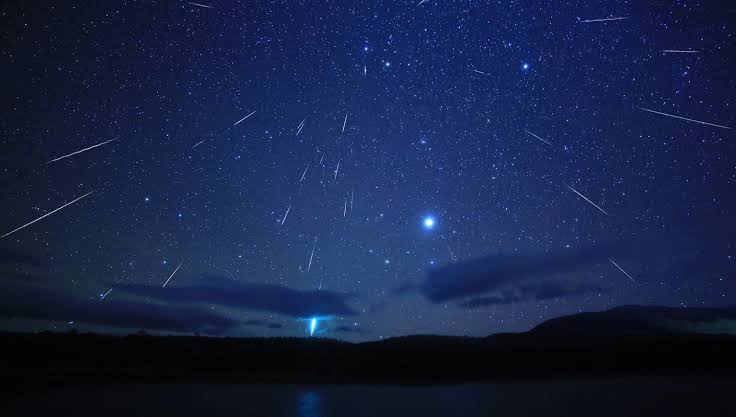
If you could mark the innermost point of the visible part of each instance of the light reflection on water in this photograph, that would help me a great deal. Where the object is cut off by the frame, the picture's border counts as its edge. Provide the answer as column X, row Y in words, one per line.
column 310, row 404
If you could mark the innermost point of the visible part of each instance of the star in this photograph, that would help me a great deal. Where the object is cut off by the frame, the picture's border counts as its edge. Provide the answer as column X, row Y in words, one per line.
column 525, row 66
column 429, row 222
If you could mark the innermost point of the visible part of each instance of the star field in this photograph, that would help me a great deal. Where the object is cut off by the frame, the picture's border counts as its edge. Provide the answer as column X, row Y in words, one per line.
column 384, row 140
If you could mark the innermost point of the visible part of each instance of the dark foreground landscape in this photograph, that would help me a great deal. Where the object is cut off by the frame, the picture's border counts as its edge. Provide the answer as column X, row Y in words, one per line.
column 629, row 361
column 624, row 342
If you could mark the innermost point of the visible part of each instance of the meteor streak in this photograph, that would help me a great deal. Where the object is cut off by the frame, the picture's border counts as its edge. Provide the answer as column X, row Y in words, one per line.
column 200, row 5
column 304, row 173
column 344, row 122
column 538, row 137
column 285, row 214
column 621, row 269
column 479, row 72
column 102, row 296
column 586, row 199
column 199, row 143
column 679, row 51
column 337, row 169
column 607, row 19
column 684, row 118
column 312, row 255
column 83, row 150
column 172, row 275
column 46, row 215
column 238, row 122
column 301, row 126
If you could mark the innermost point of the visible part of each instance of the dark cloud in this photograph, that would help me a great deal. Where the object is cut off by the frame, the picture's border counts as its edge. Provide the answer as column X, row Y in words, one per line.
column 349, row 329
column 263, row 323
column 261, row 297
column 532, row 291
column 493, row 273
column 13, row 256
column 36, row 302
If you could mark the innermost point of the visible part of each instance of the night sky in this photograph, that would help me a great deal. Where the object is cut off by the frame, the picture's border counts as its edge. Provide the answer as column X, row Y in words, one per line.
column 450, row 167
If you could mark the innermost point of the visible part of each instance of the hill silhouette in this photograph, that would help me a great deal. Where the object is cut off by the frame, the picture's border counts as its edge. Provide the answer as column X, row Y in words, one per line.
column 626, row 341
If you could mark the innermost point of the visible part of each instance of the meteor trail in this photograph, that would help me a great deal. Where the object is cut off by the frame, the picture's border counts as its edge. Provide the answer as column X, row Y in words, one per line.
column 621, row 269
column 236, row 123
column 420, row 3
column 200, row 5
column 345, row 209
column 538, row 137
column 352, row 194
column 365, row 70
column 199, row 143
column 452, row 255
column 684, row 118
column 286, row 214
column 479, row 72
column 679, row 51
column 321, row 159
column 46, row 215
column 337, row 169
column 172, row 275
column 301, row 126
column 102, row 297
column 312, row 255
column 344, row 123
column 586, row 199
column 83, row 150
column 606, row 19
column 304, row 173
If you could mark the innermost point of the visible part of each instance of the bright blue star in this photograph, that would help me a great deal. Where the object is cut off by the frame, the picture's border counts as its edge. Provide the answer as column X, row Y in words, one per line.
column 428, row 222
column 525, row 66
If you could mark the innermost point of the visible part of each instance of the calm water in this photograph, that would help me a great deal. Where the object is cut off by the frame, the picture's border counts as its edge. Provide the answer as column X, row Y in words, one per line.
column 652, row 397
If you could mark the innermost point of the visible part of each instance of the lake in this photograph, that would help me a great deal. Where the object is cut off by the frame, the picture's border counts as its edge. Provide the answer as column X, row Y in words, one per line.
column 624, row 397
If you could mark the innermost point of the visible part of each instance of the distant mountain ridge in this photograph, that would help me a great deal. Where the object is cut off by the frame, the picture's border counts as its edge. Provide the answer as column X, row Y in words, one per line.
column 635, row 319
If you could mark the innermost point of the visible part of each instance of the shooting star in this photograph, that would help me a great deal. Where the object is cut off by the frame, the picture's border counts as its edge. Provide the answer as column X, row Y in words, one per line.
column 420, row 3
column 621, row 269
column 586, row 199
column 479, row 72
column 301, row 126
column 352, row 194
column 83, row 150
column 606, row 19
column 172, row 275
column 345, row 209
column 46, row 215
column 239, row 121
column 452, row 255
column 102, row 296
column 684, row 118
column 199, row 143
column 344, row 122
column 679, row 51
column 304, row 173
column 321, row 159
column 365, row 70
column 538, row 137
column 285, row 214
column 200, row 5
column 314, row 245
column 337, row 169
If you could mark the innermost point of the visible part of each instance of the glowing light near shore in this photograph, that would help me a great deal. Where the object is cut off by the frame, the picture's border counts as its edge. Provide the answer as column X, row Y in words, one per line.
column 312, row 326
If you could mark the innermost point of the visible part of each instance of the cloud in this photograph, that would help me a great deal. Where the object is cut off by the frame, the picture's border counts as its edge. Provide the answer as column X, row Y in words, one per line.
column 263, row 323
column 13, row 256
column 44, row 303
column 532, row 291
column 496, row 272
column 261, row 297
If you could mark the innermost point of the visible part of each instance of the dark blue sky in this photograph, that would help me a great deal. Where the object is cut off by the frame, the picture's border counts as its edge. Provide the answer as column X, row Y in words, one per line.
column 487, row 117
